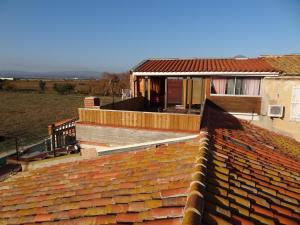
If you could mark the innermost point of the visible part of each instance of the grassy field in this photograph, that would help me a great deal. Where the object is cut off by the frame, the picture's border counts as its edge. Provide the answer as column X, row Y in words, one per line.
column 29, row 113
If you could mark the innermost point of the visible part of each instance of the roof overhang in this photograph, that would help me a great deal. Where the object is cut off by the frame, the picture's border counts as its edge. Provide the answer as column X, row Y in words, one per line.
column 258, row 74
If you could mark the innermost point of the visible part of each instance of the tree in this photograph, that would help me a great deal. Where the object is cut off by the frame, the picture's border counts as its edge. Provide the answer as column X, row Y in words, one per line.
column 42, row 85
column 115, row 82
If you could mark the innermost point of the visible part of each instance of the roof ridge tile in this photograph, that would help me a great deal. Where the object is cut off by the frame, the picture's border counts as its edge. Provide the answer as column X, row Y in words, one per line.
column 193, row 211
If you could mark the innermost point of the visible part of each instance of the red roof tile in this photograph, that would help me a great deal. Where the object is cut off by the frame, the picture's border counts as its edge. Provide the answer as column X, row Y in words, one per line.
column 205, row 65
column 234, row 173
column 116, row 188
column 254, row 177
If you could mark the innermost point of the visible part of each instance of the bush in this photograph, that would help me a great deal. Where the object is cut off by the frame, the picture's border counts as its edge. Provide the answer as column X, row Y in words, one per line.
column 42, row 85
column 8, row 86
column 1, row 84
column 64, row 88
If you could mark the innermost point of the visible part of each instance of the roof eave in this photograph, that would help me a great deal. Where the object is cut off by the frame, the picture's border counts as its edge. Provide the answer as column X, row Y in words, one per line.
column 136, row 66
column 205, row 73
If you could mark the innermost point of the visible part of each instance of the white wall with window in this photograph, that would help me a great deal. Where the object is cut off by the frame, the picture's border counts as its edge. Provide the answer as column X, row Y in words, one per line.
column 235, row 86
column 295, row 104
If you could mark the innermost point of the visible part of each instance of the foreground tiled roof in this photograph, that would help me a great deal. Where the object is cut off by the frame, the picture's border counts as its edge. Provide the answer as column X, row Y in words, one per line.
column 234, row 173
column 289, row 64
column 251, row 179
column 148, row 186
column 205, row 65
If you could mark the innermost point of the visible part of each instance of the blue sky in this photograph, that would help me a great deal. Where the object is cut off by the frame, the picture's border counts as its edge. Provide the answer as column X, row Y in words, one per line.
column 111, row 35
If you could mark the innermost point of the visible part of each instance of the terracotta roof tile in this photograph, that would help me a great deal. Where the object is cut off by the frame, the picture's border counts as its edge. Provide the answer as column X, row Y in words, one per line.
column 263, row 179
column 233, row 173
column 205, row 65
column 145, row 186
column 289, row 64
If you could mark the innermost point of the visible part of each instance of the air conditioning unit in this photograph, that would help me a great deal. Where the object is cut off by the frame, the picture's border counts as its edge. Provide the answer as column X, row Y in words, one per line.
column 275, row 111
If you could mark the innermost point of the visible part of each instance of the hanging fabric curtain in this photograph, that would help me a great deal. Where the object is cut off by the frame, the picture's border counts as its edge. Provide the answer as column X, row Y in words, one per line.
column 219, row 85
column 230, row 86
column 251, row 86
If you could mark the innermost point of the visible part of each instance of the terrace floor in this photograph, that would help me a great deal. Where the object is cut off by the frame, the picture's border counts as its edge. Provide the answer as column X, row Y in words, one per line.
column 115, row 136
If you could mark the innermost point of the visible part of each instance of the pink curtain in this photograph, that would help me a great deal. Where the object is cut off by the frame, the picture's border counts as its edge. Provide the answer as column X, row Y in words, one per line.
column 220, row 85
column 251, row 86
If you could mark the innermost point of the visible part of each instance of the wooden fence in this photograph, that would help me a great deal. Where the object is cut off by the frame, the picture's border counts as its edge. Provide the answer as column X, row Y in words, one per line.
column 146, row 120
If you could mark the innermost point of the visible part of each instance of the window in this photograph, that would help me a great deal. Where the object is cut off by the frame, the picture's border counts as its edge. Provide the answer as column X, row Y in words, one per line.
column 235, row 86
column 295, row 104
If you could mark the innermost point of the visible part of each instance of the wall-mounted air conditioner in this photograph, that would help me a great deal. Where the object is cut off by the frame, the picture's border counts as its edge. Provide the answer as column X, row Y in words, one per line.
column 275, row 111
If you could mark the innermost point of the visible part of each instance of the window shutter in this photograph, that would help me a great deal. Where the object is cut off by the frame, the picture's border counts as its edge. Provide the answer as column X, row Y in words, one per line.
column 295, row 104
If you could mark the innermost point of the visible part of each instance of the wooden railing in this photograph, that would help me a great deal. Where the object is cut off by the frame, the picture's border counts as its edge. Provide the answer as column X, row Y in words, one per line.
column 146, row 120
column 62, row 133
column 66, row 126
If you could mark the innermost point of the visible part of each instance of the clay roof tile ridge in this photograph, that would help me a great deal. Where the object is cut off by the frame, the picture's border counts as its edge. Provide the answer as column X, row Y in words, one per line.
column 193, row 211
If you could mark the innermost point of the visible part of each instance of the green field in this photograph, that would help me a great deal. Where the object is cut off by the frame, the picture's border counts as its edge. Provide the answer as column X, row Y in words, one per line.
column 28, row 114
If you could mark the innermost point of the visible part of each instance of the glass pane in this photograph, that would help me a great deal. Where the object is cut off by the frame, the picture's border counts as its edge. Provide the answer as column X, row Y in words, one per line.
column 295, row 111
column 247, row 86
column 238, row 86
column 230, row 86
column 296, row 95
column 250, row 86
column 218, row 86
column 212, row 88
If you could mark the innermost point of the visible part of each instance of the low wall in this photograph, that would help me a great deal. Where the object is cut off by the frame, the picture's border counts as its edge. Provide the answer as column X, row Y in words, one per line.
column 132, row 104
column 146, row 120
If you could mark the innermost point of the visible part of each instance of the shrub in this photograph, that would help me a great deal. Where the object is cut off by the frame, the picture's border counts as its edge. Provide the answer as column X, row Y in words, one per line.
column 8, row 86
column 42, row 85
column 1, row 84
column 63, row 88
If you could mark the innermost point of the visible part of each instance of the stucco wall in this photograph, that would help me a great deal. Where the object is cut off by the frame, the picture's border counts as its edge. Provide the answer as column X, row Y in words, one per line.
column 278, row 91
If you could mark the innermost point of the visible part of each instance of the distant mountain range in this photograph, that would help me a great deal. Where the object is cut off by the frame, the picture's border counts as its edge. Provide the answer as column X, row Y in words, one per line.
column 51, row 75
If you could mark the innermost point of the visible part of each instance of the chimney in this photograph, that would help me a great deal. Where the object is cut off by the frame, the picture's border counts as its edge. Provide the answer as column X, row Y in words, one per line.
column 92, row 102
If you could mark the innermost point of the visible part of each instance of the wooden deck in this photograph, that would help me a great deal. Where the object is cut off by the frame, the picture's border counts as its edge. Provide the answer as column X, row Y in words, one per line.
column 144, row 120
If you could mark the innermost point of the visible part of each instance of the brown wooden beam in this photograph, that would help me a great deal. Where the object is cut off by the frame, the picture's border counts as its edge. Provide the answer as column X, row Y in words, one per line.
column 184, row 92
column 136, row 87
column 207, row 87
column 148, row 89
column 202, row 90
column 143, row 87
column 166, row 94
column 190, row 95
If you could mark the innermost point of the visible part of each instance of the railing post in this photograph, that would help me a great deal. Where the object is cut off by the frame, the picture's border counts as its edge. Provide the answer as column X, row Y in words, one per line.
column 17, row 148
column 73, row 130
column 53, row 134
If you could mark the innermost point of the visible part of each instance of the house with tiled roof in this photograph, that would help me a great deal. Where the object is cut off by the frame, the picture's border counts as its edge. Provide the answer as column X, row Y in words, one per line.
column 249, row 88
column 232, row 172
column 283, row 91
column 233, row 83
